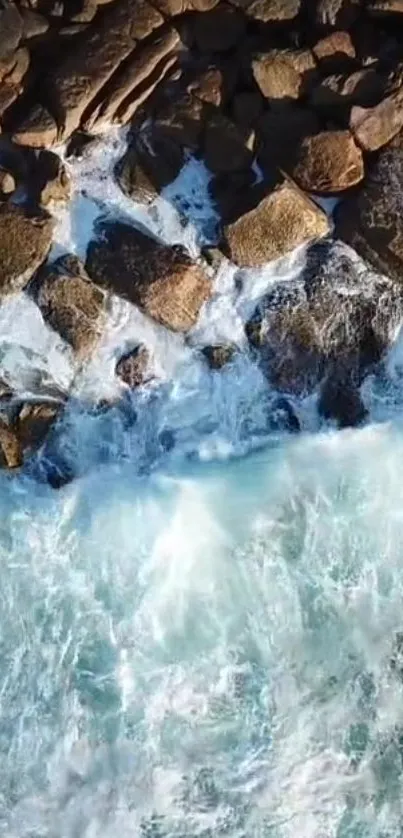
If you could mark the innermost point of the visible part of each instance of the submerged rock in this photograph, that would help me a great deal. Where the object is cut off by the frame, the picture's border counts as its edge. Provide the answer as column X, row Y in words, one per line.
column 132, row 367
column 219, row 355
column 163, row 281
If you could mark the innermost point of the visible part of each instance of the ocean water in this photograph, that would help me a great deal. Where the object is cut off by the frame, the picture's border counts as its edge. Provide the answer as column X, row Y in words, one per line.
column 200, row 635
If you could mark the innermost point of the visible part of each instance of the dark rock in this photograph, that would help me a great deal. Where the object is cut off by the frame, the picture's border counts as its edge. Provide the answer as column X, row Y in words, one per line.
column 79, row 143
column 284, row 75
column 247, row 107
column 382, row 8
column 233, row 193
column 280, row 133
column 341, row 402
column 332, row 325
column 171, row 8
column 132, row 367
column 269, row 11
column 218, row 30
column 375, row 127
column 328, row 162
column 71, row 304
column 335, row 53
column 219, row 355
column 209, row 86
column 282, row 416
column 372, row 221
column 34, row 24
column 337, row 94
column 19, row 68
column 396, row 659
column 339, row 13
column 149, row 164
column 34, row 423
column 182, row 121
column 11, row 455
column 11, row 28
column 25, row 241
column 224, row 145
column 37, row 128
column 162, row 281
column 49, row 181
column 283, row 220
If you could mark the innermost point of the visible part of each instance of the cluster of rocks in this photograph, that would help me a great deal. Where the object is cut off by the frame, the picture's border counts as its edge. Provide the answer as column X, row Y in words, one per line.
column 285, row 101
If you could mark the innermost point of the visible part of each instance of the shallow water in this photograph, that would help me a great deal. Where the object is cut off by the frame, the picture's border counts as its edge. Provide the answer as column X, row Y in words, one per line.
column 196, row 637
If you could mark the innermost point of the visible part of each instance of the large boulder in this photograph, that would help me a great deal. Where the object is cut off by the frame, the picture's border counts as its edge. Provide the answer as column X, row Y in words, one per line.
column 25, row 241
column 284, row 75
column 327, row 330
column 281, row 221
column 23, row 430
column 328, row 162
column 71, row 304
column 269, row 11
column 375, row 127
column 151, row 162
column 163, row 281
column 335, row 53
column 372, row 220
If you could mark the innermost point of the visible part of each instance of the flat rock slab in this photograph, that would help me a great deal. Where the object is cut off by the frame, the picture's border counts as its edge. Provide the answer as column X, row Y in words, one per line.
column 25, row 241
column 283, row 220
column 162, row 281
column 328, row 162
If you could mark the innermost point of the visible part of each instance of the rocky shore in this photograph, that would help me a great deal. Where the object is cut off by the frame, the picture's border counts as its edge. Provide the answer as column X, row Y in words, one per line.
column 286, row 102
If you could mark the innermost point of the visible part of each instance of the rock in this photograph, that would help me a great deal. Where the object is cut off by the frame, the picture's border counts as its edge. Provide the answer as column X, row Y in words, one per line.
column 82, row 73
column 224, row 145
column 11, row 455
column 332, row 324
column 162, row 281
column 381, row 8
column 37, row 129
column 34, row 423
column 372, row 221
column 132, row 367
column 282, row 416
column 338, row 93
column 284, row 75
column 218, row 356
column 269, row 11
column 171, row 8
column 136, row 80
column 10, row 29
column 79, row 144
column 181, row 121
column 33, row 24
column 335, row 53
column 167, row 68
column 8, row 95
column 25, row 241
column 209, row 86
column 149, row 164
column 375, row 127
column 233, row 193
column 71, row 304
column 219, row 30
column 280, row 134
column 328, row 162
column 283, row 220
column 19, row 67
column 86, row 12
column 50, row 181
column 7, row 182
column 338, row 13
column 247, row 107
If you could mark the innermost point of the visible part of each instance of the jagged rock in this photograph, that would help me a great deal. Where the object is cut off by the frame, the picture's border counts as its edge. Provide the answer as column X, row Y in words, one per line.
column 381, row 8
column 8, row 95
column 336, row 94
column 50, row 181
column 375, row 127
column 162, row 281
column 19, row 67
column 219, row 355
column 280, row 133
column 218, row 30
column 71, row 304
column 132, row 367
column 233, row 193
column 283, row 75
column 283, row 220
column 171, row 8
column 328, row 162
column 80, row 77
column 282, row 416
column 340, row 13
column 25, row 241
column 85, row 13
column 79, row 144
column 34, row 423
column 10, row 29
column 149, row 164
column 33, row 24
column 182, row 120
column 269, row 10
column 209, row 86
column 372, row 221
column 7, row 182
column 335, row 53
column 331, row 325
column 37, row 129
column 168, row 68
column 137, row 79
column 11, row 455
column 224, row 145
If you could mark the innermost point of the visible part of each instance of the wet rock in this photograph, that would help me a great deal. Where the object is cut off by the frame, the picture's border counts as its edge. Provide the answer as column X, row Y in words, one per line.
column 25, row 241
column 218, row 30
column 341, row 402
column 181, row 121
column 224, row 145
column 372, row 221
column 280, row 134
column 233, row 193
column 11, row 28
column 282, row 416
column 34, row 423
column 132, row 367
column 79, row 144
column 375, row 127
column 50, row 181
column 149, row 164
column 219, row 355
column 209, row 86
column 284, row 75
column 37, row 129
column 332, row 326
column 11, row 455
column 283, row 220
column 71, row 304
column 382, row 8
column 335, row 53
column 329, row 162
column 269, row 10
column 81, row 75
column 162, row 281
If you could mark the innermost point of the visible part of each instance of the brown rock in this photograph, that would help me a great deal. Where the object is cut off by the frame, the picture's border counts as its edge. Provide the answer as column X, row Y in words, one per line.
column 218, row 356
column 372, row 221
column 335, row 53
column 71, row 304
column 37, row 129
column 283, row 75
column 208, row 86
column 224, row 145
column 8, row 95
column 182, row 121
column 86, row 12
column 34, row 24
column 339, row 13
column 168, row 67
column 380, row 8
column 171, row 8
column 375, row 127
column 328, row 162
column 10, row 29
column 50, row 181
column 280, row 133
column 84, row 71
column 149, row 164
column 162, row 281
column 24, row 244
column 34, row 423
column 218, row 30
column 269, row 10
column 11, row 455
column 132, row 367
column 19, row 68
column 282, row 221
